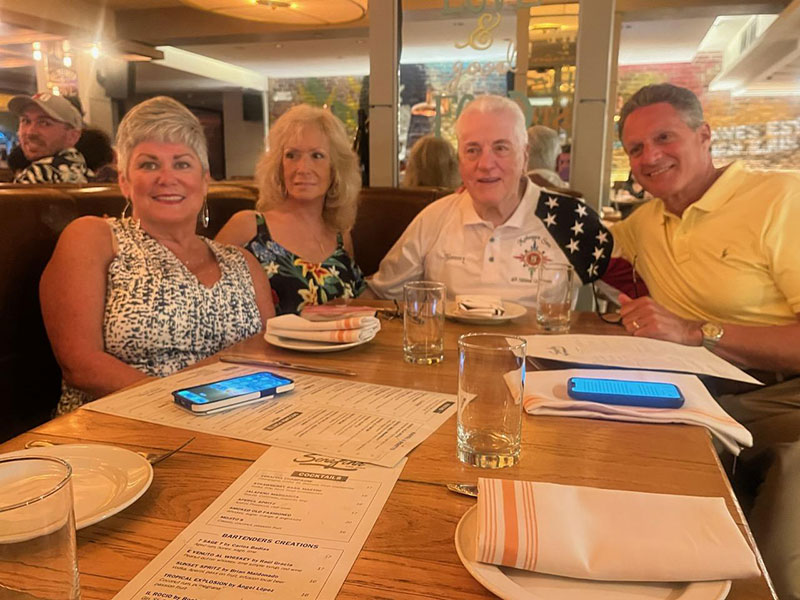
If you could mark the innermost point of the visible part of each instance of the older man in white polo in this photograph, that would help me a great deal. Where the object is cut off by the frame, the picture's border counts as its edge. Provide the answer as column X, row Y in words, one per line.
column 49, row 128
column 491, row 238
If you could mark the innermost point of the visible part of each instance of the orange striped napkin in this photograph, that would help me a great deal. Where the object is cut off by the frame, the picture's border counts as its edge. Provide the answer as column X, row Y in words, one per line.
column 353, row 329
column 609, row 535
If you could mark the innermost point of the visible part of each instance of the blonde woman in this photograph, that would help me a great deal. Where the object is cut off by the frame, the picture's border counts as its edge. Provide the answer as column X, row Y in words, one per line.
column 432, row 162
column 300, row 231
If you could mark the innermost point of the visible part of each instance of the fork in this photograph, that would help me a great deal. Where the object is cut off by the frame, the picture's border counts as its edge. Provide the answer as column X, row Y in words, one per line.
column 152, row 457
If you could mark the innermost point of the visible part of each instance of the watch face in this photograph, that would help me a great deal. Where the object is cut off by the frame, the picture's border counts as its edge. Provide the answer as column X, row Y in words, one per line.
column 711, row 330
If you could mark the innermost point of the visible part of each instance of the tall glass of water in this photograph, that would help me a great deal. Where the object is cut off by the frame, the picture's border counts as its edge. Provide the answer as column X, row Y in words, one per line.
column 554, row 297
column 38, row 560
column 423, row 322
column 491, row 380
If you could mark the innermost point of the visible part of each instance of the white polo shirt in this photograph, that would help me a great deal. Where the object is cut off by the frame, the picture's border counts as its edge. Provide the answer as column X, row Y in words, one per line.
column 448, row 242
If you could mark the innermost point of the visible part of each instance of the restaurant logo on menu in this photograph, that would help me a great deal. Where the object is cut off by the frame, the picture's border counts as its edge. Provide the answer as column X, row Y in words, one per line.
column 329, row 462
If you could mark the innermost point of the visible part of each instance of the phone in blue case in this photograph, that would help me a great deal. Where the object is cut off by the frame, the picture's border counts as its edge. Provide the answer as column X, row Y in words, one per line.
column 652, row 394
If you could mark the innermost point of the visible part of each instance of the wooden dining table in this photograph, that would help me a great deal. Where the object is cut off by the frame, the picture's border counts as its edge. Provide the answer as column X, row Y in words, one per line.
column 410, row 552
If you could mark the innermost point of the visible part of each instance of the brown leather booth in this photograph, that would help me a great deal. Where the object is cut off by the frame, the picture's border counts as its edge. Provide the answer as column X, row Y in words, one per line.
column 383, row 215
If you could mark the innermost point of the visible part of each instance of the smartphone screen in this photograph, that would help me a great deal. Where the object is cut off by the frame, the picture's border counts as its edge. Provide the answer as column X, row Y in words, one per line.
column 262, row 384
column 618, row 391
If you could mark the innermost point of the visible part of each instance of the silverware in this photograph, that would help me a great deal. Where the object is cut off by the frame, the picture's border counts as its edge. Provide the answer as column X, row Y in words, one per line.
column 281, row 364
column 152, row 457
column 467, row 489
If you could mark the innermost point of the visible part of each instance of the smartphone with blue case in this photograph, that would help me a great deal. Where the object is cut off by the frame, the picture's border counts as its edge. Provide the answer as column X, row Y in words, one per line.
column 652, row 394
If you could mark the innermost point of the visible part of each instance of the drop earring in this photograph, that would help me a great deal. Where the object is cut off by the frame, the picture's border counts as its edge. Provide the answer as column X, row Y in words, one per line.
column 204, row 217
column 125, row 208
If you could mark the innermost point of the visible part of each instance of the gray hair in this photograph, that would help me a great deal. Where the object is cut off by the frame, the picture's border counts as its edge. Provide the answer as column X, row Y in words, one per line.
column 489, row 103
column 339, row 211
column 160, row 119
column 543, row 148
column 681, row 99
column 432, row 162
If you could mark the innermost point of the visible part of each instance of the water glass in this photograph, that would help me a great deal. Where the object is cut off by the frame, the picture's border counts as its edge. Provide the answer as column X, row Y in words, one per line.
column 491, row 380
column 423, row 322
column 554, row 297
column 38, row 560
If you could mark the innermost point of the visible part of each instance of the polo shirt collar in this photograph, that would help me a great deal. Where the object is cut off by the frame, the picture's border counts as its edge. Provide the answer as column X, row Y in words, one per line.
column 722, row 189
column 517, row 219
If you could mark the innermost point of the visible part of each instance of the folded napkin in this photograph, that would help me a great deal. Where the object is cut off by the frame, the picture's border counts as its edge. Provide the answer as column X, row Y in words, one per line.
column 484, row 306
column 609, row 535
column 353, row 329
column 546, row 394
column 333, row 312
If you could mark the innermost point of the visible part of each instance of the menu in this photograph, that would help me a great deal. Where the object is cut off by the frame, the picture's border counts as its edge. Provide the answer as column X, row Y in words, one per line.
column 633, row 353
column 366, row 422
column 291, row 526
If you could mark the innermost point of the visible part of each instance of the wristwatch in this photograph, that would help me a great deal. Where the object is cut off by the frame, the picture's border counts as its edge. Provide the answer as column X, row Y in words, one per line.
column 712, row 334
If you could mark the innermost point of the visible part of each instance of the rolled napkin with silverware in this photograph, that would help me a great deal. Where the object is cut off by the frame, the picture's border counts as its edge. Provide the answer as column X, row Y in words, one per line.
column 481, row 306
column 341, row 331
column 609, row 535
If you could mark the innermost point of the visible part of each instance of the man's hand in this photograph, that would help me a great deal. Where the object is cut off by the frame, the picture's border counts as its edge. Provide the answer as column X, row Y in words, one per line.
column 644, row 317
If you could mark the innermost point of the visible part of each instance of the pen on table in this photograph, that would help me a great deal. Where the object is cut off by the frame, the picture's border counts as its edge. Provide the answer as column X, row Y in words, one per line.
column 247, row 360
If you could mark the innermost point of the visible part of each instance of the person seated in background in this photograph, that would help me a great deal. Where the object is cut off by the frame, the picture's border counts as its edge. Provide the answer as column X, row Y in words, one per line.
column 490, row 238
column 308, row 183
column 123, row 299
column 95, row 145
column 49, row 127
column 432, row 162
column 719, row 251
column 563, row 162
column 543, row 150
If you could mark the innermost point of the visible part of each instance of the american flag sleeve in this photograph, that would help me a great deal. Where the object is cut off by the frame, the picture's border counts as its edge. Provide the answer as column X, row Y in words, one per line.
column 577, row 229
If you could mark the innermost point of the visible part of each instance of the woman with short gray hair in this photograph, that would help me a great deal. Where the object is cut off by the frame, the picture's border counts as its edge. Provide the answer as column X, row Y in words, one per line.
column 144, row 295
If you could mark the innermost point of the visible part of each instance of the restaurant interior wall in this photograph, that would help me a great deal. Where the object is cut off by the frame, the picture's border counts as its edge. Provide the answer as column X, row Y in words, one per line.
column 762, row 131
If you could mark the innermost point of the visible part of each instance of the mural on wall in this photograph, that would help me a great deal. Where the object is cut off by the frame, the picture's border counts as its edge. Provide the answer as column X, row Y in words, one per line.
column 762, row 131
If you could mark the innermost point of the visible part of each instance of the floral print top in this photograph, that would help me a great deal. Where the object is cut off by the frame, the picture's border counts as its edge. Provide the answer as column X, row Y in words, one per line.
column 297, row 283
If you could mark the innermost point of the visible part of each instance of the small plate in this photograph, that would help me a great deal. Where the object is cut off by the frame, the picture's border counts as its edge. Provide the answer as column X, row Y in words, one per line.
column 105, row 479
column 309, row 346
column 513, row 311
column 516, row 584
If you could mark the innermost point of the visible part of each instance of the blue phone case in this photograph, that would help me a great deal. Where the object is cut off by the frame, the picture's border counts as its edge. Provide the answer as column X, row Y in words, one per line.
column 627, row 393
column 230, row 393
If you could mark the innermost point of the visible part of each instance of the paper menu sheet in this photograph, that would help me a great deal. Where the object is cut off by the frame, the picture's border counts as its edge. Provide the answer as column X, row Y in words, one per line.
column 366, row 422
column 291, row 526
column 634, row 353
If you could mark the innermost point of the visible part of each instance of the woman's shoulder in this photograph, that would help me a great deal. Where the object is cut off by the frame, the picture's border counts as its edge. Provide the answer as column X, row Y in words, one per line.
column 88, row 230
column 240, row 228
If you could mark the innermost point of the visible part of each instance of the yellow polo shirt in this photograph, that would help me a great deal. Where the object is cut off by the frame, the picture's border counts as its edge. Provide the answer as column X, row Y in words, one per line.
column 734, row 255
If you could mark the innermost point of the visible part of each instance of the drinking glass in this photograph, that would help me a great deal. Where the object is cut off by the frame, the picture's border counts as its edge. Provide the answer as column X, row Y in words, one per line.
column 491, row 379
column 554, row 297
column 423, row 322
column 38, row 560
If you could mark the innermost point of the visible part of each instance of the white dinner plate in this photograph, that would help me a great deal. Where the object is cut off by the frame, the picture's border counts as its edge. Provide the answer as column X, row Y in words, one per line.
column 310, row 346
column 516, row 584
column 513, row 310
column 105, row 479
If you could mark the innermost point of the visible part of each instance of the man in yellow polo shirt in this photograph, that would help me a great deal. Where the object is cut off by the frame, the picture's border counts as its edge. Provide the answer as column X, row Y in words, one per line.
column 720, row 253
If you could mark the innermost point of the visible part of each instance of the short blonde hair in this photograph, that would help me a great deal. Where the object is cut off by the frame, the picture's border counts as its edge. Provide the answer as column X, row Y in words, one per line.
column 341, row 199
column 160, row 119
column 432, row 161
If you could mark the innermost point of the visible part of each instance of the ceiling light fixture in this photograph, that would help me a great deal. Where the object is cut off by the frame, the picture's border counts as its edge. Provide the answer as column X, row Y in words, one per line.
column 37, row 51
column 318, row 13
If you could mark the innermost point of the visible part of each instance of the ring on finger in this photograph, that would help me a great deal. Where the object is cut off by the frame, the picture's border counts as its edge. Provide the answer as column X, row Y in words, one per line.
column 635, row 324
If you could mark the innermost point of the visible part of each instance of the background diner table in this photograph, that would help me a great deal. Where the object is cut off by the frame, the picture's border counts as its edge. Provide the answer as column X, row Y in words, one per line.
column 410, row 552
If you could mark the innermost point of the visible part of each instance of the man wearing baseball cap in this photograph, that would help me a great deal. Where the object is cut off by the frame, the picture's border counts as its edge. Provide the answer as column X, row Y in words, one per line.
column 49, row 127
